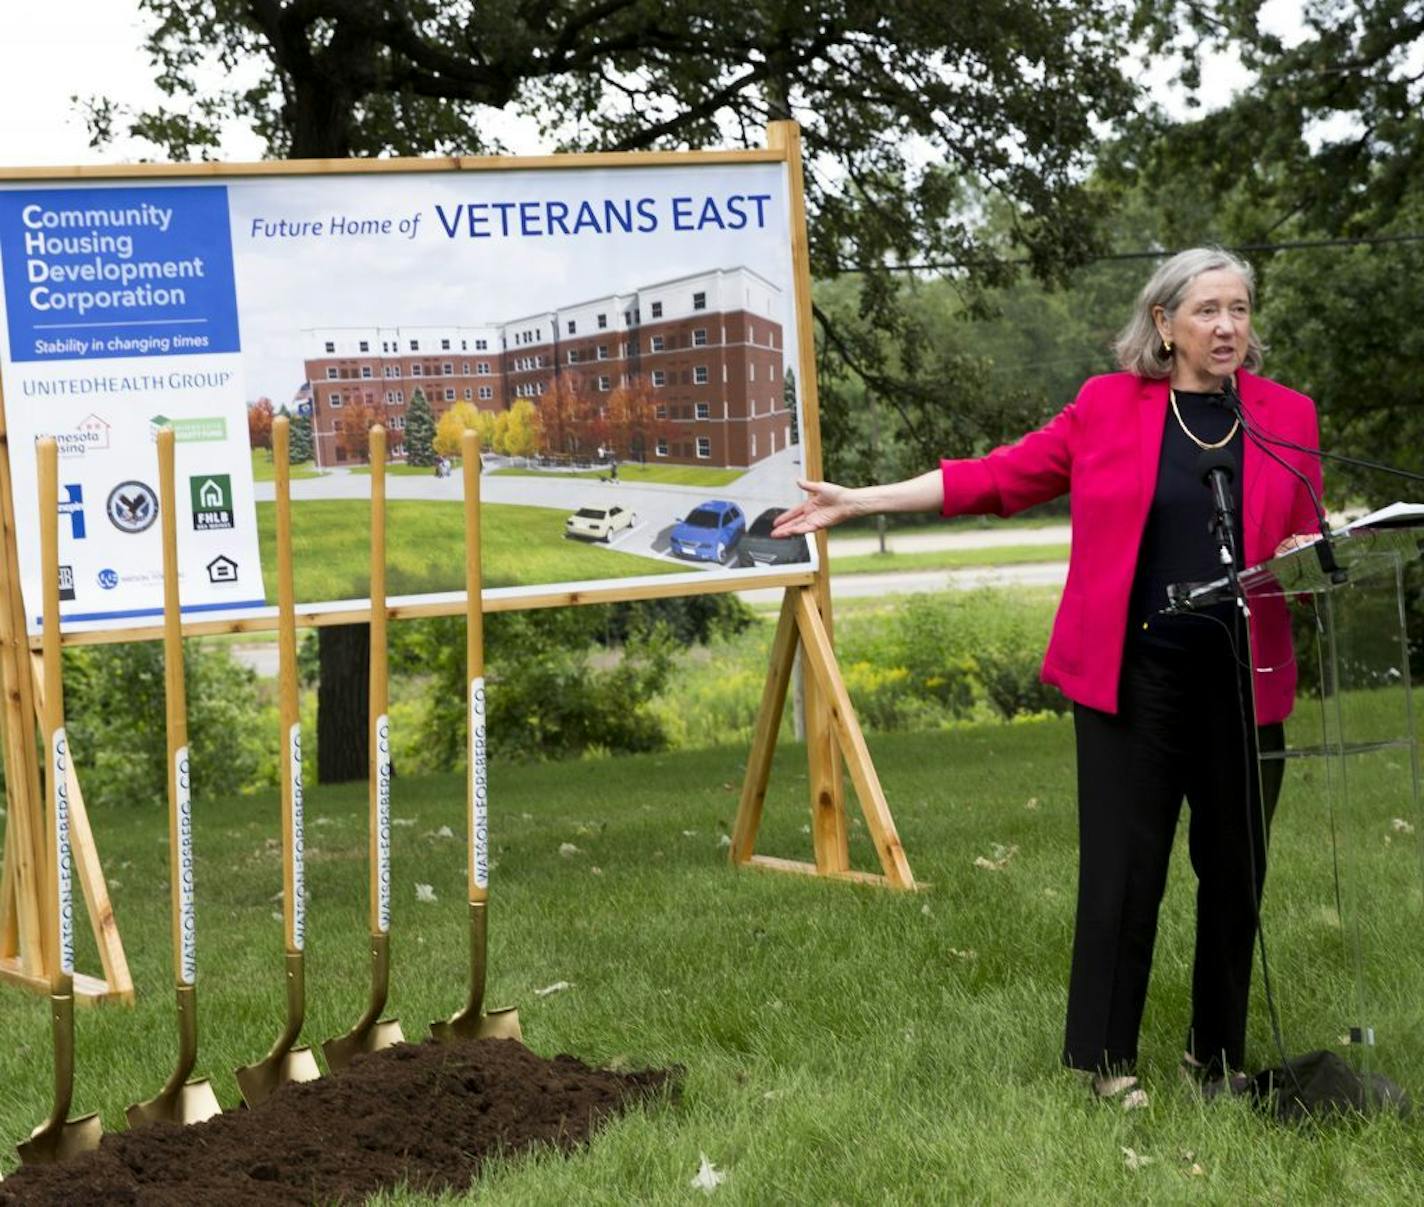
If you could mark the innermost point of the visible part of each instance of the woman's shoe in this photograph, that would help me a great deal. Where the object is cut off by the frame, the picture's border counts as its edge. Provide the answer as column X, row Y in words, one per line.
column 1212, row 1083
column 1123, row 1090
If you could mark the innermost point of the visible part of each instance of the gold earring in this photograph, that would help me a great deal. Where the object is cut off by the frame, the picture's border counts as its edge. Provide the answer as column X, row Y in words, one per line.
column 1167, row 347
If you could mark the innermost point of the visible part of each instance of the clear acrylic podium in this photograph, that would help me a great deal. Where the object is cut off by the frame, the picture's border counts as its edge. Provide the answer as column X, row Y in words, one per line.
column 1343, row 913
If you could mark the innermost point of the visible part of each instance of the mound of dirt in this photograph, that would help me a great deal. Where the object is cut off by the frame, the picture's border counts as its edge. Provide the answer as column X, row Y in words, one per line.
column 423, row 1114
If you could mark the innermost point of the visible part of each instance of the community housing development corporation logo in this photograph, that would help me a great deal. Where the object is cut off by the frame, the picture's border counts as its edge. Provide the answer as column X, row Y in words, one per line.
column 90, row 435
column 190, row 431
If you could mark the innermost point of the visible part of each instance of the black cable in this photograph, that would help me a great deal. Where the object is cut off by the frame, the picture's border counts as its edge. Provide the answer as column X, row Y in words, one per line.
column 1357, row 462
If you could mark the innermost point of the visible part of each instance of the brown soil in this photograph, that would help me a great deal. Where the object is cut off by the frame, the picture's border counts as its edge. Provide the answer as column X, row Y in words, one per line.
column 425, row 1115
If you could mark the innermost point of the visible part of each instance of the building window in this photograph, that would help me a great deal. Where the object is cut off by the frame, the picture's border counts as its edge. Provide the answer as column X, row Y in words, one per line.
column 699, row 375
column 699, row 337
column 655, row 344
column 416, row 370
column 400, row 396
column 465, row 368
column 704, row 447
column 482, row 345
column 662, row 410
column 573, row 356
column 657, row 310
column 334, row 400
column 699, row 302
column 337, row 426
column 605, row 384
column 366, row 371
column 662, row 447
column 486, row 393
column 392, row 371
column 330, row 347
column 331, row 373
column 449, row 393
column 751, row 370
column 469, row 393
column 704, row 411
column 448, row 369
column 540, row 389
column 602, row 351
column 602, row 322
column 364, row 345
column 659, row 378
column 573, row 327
column 772, row 371
column 415, row 345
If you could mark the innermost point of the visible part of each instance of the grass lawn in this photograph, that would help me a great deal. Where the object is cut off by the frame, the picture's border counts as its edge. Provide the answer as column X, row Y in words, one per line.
column 842, row 1043
column 331, row 548
column 947, row 559
column 670, row 475
column 264, row 471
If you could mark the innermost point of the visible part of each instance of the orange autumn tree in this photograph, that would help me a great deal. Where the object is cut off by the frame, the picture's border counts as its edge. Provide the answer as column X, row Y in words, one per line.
column 634, row 426
column 358, row 417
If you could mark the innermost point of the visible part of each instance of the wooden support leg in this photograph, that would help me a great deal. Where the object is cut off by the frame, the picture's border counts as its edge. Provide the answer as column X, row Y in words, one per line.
column 773, row 701
column 830, row 838
column 821, row 662
column 85, row 854
column 9, row 922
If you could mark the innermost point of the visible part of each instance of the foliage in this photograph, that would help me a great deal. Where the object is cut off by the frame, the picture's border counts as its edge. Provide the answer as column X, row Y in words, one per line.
column 358, row 416
column 419, row 430
column 300, row 446
column 114, row 710
column 259, row 423
column 517, row 432
column 454, row 423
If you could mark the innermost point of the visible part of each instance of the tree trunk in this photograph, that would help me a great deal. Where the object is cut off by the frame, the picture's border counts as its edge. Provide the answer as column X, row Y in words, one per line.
column 342, row 700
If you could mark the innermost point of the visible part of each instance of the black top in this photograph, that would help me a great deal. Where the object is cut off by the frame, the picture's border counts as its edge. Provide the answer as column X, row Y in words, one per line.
column 1177, row 546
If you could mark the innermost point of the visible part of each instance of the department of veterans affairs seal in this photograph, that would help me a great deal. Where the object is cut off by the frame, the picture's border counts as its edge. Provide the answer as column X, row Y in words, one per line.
column 132, row 506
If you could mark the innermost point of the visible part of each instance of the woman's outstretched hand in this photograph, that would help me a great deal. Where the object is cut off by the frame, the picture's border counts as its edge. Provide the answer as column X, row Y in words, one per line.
column 828, row 505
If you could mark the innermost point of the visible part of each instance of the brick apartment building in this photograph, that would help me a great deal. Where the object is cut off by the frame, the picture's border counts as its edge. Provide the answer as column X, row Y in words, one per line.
column 706, row 348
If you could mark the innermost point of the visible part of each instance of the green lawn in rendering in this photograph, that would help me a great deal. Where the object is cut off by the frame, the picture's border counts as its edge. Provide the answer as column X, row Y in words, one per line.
column 842, row 1043
column 264, row 471
column 946, row 559
column 668, row 475
column 331, row 548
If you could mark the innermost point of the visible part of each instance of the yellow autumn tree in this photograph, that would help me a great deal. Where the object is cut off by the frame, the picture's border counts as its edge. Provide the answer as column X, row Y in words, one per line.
column 454, row 423
column 517, row 432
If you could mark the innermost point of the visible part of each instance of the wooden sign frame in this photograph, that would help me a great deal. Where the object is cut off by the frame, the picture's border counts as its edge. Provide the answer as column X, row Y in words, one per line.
column 832, row 731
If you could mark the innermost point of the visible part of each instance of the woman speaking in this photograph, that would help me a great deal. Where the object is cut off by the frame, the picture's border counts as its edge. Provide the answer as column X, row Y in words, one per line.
column 1164, row 707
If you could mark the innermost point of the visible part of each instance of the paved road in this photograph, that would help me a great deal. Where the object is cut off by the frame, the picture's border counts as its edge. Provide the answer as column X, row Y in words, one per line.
column 658, row 506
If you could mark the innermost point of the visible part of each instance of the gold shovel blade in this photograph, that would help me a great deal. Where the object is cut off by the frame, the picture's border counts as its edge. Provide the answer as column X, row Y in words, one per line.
column 342, row 1050
column 260, row 1081
column 60, row 1140
column 192, row 1102
column 497, row 1024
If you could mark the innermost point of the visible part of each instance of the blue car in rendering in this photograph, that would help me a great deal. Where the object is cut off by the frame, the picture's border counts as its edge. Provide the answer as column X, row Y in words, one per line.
column 709, row 532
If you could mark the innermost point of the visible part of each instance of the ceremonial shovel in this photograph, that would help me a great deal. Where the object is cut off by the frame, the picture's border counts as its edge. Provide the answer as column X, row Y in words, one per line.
column 180, row 1100
column 371, row 1032
column 58, row 1137
column 471, row 1022
column 284, row 1062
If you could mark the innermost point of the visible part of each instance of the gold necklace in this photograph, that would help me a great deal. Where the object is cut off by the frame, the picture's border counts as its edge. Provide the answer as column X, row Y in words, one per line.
column 1191, row 435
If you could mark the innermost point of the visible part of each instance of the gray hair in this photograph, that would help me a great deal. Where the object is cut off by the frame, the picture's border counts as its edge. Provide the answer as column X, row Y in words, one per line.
column 1139, row 346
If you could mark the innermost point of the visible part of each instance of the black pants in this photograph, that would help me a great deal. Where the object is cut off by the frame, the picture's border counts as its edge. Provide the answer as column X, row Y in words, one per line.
column 1178, row 733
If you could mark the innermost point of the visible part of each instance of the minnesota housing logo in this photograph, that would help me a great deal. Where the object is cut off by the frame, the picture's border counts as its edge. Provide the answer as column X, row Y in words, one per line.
column 190, row 431
column 212, row 501
column 90, row 435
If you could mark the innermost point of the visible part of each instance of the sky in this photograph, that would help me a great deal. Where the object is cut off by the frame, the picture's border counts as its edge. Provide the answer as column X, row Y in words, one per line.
column 53, row 50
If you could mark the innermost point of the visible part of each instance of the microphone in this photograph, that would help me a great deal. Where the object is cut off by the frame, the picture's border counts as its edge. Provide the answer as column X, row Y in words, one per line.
column 1217, row 470
column 1324, row 547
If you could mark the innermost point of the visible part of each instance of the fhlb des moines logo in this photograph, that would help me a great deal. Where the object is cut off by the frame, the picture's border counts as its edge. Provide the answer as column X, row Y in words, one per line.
column 132, row 506
column 212, row 501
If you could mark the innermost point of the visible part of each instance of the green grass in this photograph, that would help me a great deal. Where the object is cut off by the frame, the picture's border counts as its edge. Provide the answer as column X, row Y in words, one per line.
column 842, row 1043
column 264, row 471
column 946, row 559
column 668, row 475
column 331, row 548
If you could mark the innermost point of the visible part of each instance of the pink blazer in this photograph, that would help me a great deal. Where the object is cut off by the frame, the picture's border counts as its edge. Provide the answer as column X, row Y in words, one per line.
column 1104, row 448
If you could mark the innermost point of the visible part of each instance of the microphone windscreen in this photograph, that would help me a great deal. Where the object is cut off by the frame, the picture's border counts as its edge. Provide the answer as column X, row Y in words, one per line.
column 1213, row 459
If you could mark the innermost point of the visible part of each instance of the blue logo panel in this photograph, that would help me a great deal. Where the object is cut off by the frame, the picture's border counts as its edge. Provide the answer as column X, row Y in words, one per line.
column 92, row 273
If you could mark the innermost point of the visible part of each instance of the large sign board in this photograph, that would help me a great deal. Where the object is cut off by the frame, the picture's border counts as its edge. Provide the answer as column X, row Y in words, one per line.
column 625, row 333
